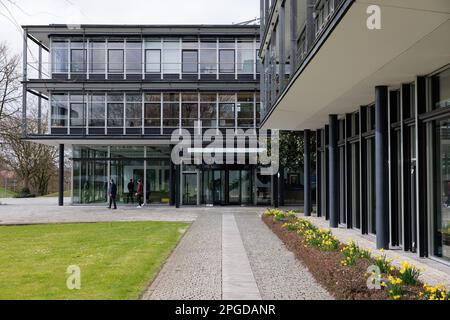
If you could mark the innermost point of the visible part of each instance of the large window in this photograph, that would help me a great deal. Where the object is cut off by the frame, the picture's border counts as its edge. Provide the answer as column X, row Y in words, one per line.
column 97, row 110
column 77, row 110
column 227, row 110
column 442, row 176
column 245, row 57
column 133, row 110
column 172, row 57
column 77, row 58
column 153, row 61
column 115, row 110
column 208, row 57
column 97, row 57
column 227, row 61
column 60, row 56
column 59, row 109
column 208, row 110
column 134, row 57
column 171, row 110
column 441, row 90
column 245, row 111
column 115, row 57
column 189, row 109
column 152, row 111
column 190, row 61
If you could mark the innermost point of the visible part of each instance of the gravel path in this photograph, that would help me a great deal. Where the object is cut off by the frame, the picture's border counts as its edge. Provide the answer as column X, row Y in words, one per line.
column 194, row 270
column 279, row 275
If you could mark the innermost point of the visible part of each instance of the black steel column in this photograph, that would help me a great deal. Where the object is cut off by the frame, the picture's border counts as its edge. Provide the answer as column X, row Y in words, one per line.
column 318, row 174
column 281, row 185
column 61, row 176
column 326, row 178
column 172, row 175
column 382, row 167
column 177, row 186
column 348, row 171
column 364, row 222
column 421, row 167
column 275, row 187
column 406, row 172
column 307, row 173
column 334, row 171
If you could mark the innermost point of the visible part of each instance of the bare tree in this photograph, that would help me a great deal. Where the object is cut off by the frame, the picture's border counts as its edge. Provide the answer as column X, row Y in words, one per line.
column 10, row 93
column 35, row 164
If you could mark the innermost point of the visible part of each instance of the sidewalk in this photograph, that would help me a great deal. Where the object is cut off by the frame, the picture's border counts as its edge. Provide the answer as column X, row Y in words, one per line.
column 229, row 253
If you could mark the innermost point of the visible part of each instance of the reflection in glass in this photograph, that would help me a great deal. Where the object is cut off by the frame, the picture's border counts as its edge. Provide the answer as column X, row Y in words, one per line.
column 442, row 176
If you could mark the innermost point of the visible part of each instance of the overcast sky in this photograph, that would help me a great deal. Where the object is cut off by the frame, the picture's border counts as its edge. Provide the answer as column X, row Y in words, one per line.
column 20, row 12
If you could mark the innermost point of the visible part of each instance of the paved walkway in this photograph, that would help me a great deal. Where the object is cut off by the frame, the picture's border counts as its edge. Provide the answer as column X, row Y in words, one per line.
column 229, row 253
column 46, row 210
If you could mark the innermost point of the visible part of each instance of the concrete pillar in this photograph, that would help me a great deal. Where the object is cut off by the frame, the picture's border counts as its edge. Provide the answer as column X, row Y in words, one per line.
column 333, row 172
column 307, row 173
column 382, row 167
column 282, row 47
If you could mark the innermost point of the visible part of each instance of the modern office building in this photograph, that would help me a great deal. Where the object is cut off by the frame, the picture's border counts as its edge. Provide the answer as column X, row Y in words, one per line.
column 117, row 93
column 372, row 82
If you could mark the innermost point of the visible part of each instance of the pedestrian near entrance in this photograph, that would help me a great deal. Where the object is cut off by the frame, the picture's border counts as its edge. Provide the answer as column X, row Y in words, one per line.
column 140, row 193
column 112, row 194
column 130, row 195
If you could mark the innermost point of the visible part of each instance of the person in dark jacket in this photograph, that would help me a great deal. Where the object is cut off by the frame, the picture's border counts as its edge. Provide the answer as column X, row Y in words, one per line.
column 130, row 195
column 140, row 193
column 112, row 194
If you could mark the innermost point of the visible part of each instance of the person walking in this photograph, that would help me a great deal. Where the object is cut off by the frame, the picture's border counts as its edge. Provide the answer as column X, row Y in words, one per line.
column 112, row 194
column 140, row 193
column 130, row 195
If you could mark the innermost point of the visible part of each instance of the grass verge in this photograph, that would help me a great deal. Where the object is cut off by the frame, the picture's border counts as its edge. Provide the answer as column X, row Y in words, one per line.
column 117, row 260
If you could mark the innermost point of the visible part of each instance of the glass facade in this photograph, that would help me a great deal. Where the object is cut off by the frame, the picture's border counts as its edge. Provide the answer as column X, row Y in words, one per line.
column 440, row 86
column 94, row 166
column 171, row 57
column 152, row 110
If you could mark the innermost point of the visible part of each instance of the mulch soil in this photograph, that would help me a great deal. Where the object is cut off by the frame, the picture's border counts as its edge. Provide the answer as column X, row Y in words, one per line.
column 344, row 283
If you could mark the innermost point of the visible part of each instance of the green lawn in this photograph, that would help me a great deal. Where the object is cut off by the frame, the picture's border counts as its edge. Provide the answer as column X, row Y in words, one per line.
column 5, row 193
column 117, row 260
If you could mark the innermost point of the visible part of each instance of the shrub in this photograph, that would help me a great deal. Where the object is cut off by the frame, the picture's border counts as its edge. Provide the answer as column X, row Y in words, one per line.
column 409, row 273
column 25, row 193
column 434, row 293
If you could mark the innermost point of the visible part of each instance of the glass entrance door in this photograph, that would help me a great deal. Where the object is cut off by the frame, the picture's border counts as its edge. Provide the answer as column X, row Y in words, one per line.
column 213, row 187
column 190, row 189
column 158, row 182
column 240, row 187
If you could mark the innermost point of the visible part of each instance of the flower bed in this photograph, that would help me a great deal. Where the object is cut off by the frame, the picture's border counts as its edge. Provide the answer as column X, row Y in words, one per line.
column 347, row 271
